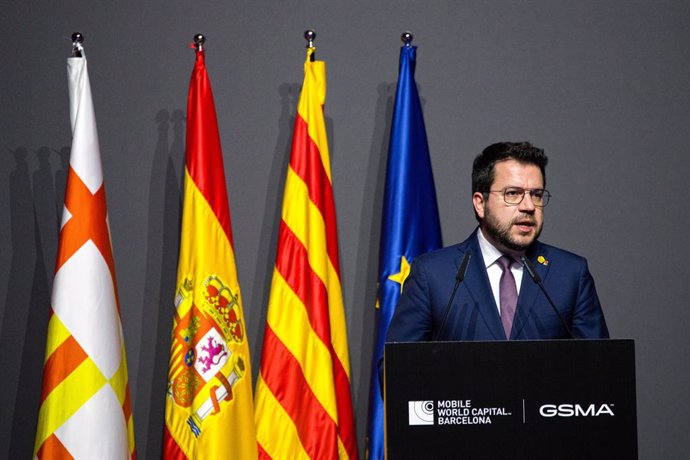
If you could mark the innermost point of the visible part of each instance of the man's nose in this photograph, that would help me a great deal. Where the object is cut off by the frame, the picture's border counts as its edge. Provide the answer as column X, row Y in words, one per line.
column 527, row 205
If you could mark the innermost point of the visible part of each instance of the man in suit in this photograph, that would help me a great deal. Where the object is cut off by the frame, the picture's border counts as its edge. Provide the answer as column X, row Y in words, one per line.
column 498, row 300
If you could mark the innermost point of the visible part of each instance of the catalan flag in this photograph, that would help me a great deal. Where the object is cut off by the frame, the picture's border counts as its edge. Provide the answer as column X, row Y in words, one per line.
column 303, row 403
column 85, row 409
column 209, row 412
column 410, row 224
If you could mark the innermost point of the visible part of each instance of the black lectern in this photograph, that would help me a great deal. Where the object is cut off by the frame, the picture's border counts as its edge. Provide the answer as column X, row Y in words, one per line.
column 560, row 399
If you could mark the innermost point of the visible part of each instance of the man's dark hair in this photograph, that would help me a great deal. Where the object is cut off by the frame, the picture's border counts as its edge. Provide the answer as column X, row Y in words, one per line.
column 483, row 167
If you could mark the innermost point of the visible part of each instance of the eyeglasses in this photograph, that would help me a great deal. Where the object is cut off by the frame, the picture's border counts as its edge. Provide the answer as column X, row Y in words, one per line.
column 515, row 195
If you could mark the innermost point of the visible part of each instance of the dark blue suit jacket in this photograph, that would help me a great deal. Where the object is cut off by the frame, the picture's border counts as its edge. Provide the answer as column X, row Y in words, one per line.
column 474, row 314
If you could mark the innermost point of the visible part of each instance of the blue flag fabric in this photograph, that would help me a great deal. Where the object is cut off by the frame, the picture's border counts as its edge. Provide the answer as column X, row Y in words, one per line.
column 410, row 224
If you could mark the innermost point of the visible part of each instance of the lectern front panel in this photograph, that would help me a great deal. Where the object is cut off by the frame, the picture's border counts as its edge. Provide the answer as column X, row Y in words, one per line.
column 565, row 399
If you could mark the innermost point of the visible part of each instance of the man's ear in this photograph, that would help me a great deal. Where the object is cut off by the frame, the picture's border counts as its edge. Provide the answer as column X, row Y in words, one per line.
column 478, row 203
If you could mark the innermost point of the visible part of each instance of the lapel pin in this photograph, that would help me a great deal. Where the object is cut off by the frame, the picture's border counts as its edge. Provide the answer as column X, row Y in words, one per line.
column 542, row 260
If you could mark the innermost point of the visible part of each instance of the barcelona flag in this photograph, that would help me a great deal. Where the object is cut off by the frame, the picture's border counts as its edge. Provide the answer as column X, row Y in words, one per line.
column 85, row 408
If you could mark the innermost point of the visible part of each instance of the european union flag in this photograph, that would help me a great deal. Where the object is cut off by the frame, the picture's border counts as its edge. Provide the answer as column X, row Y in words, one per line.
column 410, row 225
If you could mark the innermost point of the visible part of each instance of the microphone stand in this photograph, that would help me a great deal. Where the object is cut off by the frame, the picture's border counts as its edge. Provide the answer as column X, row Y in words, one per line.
column 537, row 279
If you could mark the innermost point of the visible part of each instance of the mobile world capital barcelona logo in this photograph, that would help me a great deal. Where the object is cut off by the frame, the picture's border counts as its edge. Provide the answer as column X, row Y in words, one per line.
column 421, row 412
column 453, row 412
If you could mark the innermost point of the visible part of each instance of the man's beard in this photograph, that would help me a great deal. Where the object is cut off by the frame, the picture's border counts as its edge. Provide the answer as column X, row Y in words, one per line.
column 501, row 233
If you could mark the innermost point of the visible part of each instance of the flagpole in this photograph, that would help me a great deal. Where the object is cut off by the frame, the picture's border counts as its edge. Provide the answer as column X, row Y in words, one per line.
column 85, row 408
column 409, row 226
column 209, row 410
column 310, row 36
column 77, row 48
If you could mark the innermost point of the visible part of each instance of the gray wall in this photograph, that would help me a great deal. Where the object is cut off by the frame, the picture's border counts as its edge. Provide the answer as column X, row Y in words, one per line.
column 603, row 86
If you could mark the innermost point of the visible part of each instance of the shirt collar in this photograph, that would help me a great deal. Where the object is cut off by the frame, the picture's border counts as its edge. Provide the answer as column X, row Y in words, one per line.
column 489, row 251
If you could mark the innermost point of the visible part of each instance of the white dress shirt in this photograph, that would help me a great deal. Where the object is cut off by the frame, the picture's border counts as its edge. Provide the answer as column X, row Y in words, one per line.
column 493, row 269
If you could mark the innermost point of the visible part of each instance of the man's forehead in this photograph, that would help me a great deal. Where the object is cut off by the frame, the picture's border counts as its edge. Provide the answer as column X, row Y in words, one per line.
column 514, row 169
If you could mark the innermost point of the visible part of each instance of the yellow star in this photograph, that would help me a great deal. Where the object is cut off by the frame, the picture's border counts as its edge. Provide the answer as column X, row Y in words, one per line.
column 401, row 276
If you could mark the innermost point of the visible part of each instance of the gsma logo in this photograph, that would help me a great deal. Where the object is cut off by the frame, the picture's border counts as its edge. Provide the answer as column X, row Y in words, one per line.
column 576, row 410
column 421, row 412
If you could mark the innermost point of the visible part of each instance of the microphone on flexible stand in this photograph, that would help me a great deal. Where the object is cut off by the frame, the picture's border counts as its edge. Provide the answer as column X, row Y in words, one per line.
column 459, row 276
column 537, row 279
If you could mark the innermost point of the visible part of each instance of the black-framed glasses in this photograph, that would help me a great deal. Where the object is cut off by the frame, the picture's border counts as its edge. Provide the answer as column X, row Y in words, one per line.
column 515, row 195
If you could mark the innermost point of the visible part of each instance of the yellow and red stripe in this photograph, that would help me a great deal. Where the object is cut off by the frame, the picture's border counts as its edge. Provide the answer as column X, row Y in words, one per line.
column 303, row 402
column 204, row 157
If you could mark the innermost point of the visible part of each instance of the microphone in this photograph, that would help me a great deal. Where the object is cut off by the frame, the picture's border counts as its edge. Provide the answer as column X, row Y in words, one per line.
column 537, row 280
column 459, row 277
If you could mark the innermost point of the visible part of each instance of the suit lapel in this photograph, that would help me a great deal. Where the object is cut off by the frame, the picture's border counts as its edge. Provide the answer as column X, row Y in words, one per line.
column 477, row 284
column 529, row 291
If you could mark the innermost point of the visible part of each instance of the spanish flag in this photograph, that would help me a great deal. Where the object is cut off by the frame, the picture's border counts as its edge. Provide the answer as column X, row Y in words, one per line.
column 209, row 407
column 303, row 403
column 85, row 409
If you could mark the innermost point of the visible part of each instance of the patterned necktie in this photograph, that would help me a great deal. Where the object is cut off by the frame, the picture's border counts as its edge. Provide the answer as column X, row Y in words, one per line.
column 508, row 294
